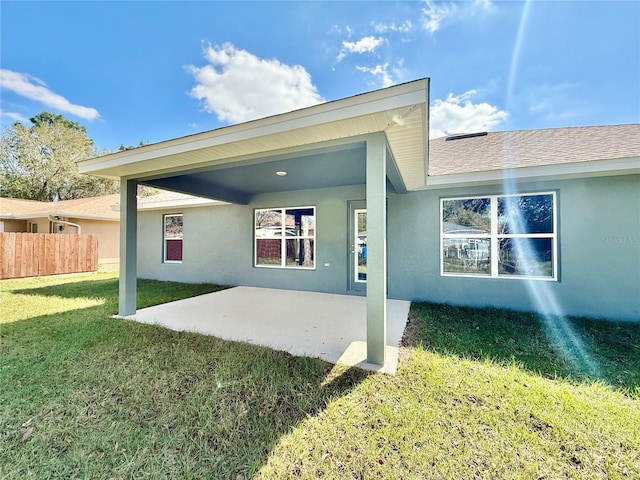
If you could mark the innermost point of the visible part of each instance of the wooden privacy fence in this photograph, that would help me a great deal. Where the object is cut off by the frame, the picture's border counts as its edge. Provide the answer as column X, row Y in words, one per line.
column 34, row 254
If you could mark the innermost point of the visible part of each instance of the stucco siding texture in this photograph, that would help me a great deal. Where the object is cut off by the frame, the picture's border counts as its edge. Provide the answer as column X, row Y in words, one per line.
column 598, row 248
column 218, row 243
column 598, row 252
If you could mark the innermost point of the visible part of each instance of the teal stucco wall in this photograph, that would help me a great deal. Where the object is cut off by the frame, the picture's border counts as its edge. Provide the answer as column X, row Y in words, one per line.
column 598, row 252
column 218, row 243
column 598, row 248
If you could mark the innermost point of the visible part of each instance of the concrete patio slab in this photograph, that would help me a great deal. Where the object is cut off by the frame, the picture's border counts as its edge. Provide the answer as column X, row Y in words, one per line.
column 327, row 326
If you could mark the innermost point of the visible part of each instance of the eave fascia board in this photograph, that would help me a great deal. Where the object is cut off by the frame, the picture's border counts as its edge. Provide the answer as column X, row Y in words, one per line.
column 599, row 168
column 412, row 93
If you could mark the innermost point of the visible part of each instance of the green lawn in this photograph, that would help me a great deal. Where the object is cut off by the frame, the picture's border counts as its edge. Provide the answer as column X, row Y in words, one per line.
column 478, row 394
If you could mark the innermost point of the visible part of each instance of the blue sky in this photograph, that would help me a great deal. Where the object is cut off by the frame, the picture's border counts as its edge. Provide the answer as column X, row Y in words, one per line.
column 151, row 71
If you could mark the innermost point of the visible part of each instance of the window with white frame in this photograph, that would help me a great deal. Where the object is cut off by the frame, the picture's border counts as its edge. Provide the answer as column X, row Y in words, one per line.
column 507, row 236
column 285, row 237
column 173, row 227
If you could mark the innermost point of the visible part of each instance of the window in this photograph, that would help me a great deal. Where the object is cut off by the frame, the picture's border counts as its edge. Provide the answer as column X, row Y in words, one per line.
column 172, row 238
column 509, row 236
column 285, row 237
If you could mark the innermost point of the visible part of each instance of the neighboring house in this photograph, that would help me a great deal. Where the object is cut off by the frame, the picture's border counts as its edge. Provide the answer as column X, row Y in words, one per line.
column 93, row 215
column 541, row 220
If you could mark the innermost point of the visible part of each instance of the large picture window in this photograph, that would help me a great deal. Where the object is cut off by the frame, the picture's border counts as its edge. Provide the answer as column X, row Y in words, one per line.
column 172, row 237
column 285, row 237
column 500, row 236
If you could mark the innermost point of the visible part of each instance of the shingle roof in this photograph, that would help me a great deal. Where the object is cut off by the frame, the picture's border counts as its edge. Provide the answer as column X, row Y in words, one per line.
column 531, row 148
column 93, row 207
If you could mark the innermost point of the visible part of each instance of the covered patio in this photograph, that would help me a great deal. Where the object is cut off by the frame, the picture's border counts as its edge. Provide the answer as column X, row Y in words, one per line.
column 377, row 140
column 320, row 325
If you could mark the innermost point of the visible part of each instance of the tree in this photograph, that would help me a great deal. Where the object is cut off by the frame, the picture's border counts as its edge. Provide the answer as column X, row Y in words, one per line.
column 39, row 162
column 47, row 118
column 473, row 213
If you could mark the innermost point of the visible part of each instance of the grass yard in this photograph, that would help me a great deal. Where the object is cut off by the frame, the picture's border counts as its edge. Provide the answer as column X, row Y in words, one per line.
column 478, row 394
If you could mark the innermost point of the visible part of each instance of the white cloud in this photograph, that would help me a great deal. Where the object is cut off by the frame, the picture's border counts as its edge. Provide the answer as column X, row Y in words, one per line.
column 14, row 116
column 35, row 89
column 436, row 12
column 238, row 86
column 479, row 6
column 433, row 14
column 364, row 45
column 339, row 31
column 458, row 114
column 392, row 27
column 381, row 72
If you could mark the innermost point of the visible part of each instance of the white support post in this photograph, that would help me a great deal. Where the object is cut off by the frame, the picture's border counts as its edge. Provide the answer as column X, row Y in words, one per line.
column 376, row 249
column 128, row 247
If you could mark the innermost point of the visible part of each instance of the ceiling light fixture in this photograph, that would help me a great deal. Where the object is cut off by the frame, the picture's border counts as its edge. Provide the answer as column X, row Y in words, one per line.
column 281, row 173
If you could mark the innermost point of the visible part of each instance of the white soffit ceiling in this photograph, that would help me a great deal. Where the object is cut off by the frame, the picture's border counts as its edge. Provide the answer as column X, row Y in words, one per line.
column 408, row 142
column 400, row 112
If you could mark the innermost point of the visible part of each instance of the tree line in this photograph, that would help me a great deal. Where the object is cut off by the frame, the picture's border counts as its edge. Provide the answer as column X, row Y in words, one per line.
column 38, row 162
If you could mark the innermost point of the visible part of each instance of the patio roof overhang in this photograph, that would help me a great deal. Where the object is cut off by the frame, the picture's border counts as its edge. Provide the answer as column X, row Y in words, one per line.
column 374, row 139
column 319, row 146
